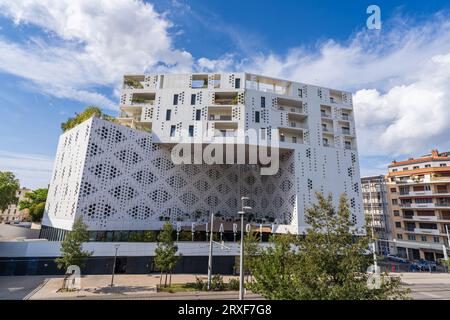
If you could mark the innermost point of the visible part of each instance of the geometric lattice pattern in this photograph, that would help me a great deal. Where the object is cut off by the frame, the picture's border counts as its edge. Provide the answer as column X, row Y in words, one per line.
column 131, row 185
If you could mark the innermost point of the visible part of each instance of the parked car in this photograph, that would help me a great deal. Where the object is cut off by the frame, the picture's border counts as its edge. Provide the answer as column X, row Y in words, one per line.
column 396, row 258
column 413, row 267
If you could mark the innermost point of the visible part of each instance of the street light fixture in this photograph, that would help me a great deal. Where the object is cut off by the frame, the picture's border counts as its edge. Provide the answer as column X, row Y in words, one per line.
column 241, row 264
column 114, row 265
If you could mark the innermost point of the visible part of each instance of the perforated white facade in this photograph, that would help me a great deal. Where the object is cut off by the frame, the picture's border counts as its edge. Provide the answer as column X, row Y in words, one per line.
column 122, row 176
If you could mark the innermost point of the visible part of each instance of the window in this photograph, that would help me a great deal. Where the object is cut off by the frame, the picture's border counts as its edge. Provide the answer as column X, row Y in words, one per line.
column 436, row 239
column 294, row 139
column 324, row 127
column 411, row 237
column 193, row 98
column 428, row 166
column 237, row 83
column 393, row 190
column 257, row 116
column 394, row 201
column 198, row 114
column 348, row 145
column 398, row 224
column 175, row 99
column 282, row 138
column 263, row 102
column 424, row 238
column 168, row 114
column 300, row 93
column 191, row 131
column 325, row 141
column 415, row 167
column 405, row 168
column 396, row 213
column 172, row 131
column 399, row 236
column 394, row 170
column 443, row 164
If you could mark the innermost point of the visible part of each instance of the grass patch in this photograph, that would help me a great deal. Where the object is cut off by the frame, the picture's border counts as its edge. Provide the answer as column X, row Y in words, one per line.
column 178, row 287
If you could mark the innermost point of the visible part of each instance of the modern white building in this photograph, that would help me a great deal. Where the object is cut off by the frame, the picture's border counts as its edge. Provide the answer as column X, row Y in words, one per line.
column 124, row 177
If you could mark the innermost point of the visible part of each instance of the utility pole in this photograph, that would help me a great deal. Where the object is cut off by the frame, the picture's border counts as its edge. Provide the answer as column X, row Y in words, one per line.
column 210, row 251
column 114, row 265
column 241, row 261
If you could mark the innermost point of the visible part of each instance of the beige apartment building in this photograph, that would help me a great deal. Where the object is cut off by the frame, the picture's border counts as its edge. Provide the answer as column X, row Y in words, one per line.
column 419, row 198
column 12, row 213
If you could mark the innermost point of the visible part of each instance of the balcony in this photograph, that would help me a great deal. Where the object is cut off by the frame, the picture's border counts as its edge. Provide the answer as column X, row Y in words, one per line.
column 324, row 114
column 416, row 193
column 224, row 133
column 225, row 98
column 346, row 131
column 434, row 232
column 216, row 117
column 421, row 218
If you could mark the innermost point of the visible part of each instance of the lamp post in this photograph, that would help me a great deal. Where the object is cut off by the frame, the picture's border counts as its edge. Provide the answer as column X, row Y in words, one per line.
column 241, row 264
column 210, row 251
column 114, row 265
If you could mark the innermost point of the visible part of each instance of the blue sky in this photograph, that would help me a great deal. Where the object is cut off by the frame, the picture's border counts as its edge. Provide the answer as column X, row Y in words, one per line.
column 56, row 57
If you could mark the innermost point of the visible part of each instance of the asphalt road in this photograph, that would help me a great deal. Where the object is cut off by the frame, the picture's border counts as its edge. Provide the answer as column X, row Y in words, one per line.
column 18, row 287
column 430, row 291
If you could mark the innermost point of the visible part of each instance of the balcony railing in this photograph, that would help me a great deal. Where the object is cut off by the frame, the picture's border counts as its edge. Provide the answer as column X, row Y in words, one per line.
column 427, row 231
column 227, row 101
column 220, row 118
column 346, row 131
column 325, row 115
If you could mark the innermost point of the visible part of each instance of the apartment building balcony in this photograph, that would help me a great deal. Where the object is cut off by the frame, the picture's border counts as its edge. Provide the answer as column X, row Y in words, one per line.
column 434, row 232
column 225, row 133
column 290, row 135
column 225, row 98
column 335, row 96
column 346, row 131
column 415, row 193
column 421, row 218
column 219, row 113
column 133, row 82
column 266, row 84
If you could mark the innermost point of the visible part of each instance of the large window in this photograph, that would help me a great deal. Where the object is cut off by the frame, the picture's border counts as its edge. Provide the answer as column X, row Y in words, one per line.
column 237, row 83
column 175, row 99
column 193, row 98
column 172, row 131
column 168, row 114
column 263, row 102
column 191, row 131
column 198, row 115
column 257, row 116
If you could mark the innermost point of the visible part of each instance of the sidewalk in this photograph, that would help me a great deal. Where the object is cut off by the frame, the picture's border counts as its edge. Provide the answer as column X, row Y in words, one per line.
column 125, row 286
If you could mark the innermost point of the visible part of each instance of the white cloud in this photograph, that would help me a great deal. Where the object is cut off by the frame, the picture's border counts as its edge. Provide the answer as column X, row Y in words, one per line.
column 400, row 77
column 88, row 44
column 32, row 170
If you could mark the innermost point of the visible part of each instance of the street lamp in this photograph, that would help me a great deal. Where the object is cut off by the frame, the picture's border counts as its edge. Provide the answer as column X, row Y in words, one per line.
column 241, row 264
column 114, row 265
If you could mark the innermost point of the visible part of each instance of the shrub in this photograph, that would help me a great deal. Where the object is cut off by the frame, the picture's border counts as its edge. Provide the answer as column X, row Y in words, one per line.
column 233, row 284
column 217, row 283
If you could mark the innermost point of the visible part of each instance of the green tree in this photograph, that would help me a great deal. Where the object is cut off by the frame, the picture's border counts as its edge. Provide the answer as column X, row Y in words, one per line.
column 165, row 253
column 34, row 201
column 90, row 111
column 328, row 262
column 8, row 187
column 72, row 246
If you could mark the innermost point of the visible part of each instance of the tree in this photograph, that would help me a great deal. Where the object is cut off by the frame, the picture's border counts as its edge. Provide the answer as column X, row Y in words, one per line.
column 34, row 201
column 90, row 111
column 8, row 187
column 166, row 258
column 72, row 246
column 328, row 262
column 251, row 252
